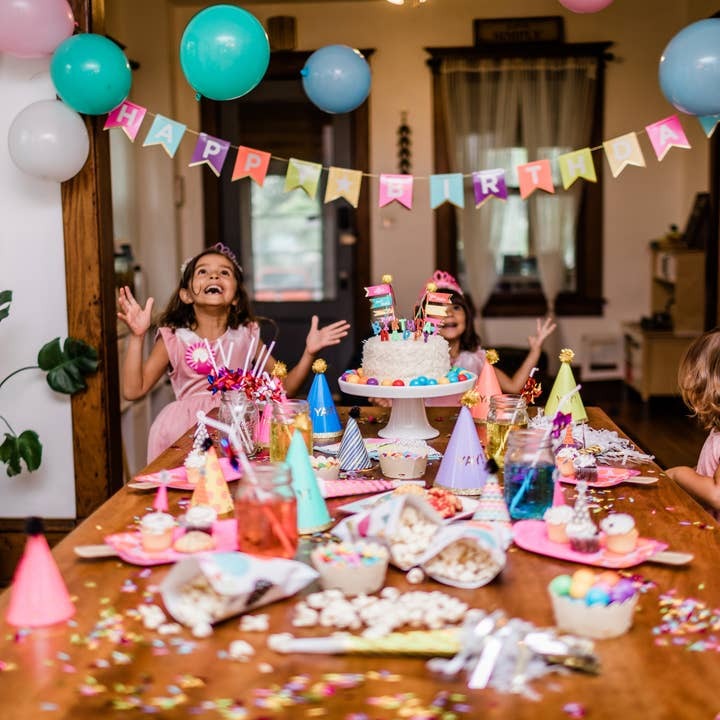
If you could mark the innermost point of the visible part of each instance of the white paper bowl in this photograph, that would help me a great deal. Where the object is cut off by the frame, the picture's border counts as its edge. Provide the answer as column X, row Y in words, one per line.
column 593, row 621
column 350, row 579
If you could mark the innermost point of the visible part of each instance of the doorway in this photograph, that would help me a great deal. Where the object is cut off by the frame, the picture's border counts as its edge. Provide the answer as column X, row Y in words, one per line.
column 301, row 256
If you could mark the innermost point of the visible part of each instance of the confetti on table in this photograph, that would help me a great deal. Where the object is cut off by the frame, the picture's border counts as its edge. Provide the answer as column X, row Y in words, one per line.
column 683, row 619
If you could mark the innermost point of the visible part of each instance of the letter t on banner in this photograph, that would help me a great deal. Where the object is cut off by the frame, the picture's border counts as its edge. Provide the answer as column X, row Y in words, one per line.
column 535, row 176
column 396, row 187
column 251, row 163
column 127, row 116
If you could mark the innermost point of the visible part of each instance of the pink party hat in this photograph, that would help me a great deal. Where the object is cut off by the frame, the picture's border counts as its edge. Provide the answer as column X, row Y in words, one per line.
column 38, row 596
column 161, row 499
column 492, row 506
column 312, row 512
column 558, row 494
column 462, row 469
column 486, row 386
column 353, row 454
column 262, row 430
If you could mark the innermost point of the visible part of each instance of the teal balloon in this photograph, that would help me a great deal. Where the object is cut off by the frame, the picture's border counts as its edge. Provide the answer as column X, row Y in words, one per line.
column 690, row 68
column 224, row 52
column 91, row 73
column 336, row 78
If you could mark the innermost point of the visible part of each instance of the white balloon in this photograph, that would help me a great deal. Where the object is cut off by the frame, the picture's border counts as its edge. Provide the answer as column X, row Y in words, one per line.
column 49, row 140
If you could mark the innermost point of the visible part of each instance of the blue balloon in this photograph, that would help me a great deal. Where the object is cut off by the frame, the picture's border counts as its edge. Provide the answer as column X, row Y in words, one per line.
column 336, row 78
column 224, row 52
column 690, row 69
column 91, row 73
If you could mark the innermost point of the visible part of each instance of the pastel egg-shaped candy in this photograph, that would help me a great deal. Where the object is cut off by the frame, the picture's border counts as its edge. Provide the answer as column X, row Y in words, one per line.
column 354, row 379
column 432, row 381
column 415, row 382
column 372, row 381
column 560, row 585
column 622, row 591
column 443, row 381
column 584, row 576
column 578, row 590
column 608, row 577
column 422, row 380
column 597, row 595
column 386, row 382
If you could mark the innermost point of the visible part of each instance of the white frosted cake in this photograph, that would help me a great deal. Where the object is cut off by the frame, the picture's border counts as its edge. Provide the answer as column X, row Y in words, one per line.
column 406, row 359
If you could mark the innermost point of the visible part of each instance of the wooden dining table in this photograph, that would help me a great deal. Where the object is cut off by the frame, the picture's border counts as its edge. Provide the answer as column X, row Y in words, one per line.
column 105, row 663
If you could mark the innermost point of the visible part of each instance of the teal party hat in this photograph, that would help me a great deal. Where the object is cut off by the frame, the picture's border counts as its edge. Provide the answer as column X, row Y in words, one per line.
column 325, row 420
column 312, row 512
column 353, row 454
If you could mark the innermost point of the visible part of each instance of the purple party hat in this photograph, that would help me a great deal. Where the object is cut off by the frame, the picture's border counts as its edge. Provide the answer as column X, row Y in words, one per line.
column 462, row 469
column 353, row 455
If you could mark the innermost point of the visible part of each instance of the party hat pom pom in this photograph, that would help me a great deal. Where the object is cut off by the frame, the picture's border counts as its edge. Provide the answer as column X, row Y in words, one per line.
column 566, row 355
column 491, row 466
column 34, row 526
column 354, row 412
column 279, row 370
column 470, row 398
column 319, row 366
column 492, row 356
column 387, row 279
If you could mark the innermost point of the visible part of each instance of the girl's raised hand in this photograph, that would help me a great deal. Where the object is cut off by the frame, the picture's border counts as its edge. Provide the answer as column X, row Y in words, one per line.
column 137, row 318
column 319, row 338
column 544, row 329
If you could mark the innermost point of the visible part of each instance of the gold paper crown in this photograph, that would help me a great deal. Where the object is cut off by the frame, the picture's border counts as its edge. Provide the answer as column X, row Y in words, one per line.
column 279, row 370
column 492, row 356
column 319, row 366
column 470, row 399
column 566, row 355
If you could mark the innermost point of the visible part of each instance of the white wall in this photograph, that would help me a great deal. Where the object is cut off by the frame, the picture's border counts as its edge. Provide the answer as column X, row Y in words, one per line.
column 32, row 265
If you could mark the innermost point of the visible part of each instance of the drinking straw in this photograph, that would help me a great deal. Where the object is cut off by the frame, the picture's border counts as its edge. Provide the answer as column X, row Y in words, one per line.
column 249, row 353
column 258, row 360
column 212, row 356
column 265, row 359
column 529, row 474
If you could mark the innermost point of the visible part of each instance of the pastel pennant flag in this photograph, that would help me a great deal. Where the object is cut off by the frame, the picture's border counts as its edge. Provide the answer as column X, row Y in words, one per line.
column 709, row 123
column 251, row 163
column 666, row 134
column 210, row 151
column 343, row 183
column 447, row 188
column 577, row 164
column 535, row 176
column 165, row 132
column 396, row 187
column 302, row 174
column 127, row 116
column 489, row 184
column 622, row 151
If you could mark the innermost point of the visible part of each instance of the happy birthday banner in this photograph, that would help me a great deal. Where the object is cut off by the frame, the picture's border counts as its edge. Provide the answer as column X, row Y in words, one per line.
column 345, row 183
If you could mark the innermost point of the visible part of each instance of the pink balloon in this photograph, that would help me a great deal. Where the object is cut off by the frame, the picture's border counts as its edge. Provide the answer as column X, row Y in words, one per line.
column 34, row 28
column 586, row 6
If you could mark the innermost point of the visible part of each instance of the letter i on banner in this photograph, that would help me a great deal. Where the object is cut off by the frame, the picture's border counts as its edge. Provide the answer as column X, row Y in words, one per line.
column 577, row 164
column 535, row 176
column 127, row 116
column 396, row 187
column 447, row 188
column 622, row 151
column 665, row 134
column 305, row 175
column 165, row 132
column 251, row 163
column 489, row 184
column 343, row 183
column 210, row 151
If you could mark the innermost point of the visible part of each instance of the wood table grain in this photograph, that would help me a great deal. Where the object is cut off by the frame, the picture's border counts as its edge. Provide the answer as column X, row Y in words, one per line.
column 105, row 664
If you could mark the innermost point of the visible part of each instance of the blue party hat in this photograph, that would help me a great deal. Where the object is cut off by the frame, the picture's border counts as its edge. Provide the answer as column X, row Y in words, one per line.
column 312, row 512
column 353, row 454
column 325, row 420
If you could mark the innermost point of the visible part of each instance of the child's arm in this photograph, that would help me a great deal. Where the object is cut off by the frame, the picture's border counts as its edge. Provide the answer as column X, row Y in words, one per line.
column 138, row 377
column 317, row 339
column 703, row 488
column 515, row 383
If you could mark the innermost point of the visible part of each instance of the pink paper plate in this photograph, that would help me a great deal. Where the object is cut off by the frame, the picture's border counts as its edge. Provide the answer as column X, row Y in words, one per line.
column 129, row 548
column 530, row 535
column 607, row 476
column 178, row 476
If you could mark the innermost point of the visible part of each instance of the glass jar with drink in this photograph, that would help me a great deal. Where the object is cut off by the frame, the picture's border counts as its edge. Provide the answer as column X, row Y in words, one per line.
column 287, row 417
column 506, row 413
column 266, row 512
column 241, row 413
column 529, row 474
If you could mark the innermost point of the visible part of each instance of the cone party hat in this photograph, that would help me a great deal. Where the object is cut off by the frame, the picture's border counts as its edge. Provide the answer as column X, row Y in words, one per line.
column 38, row 596
column 262, row 430
column 486, row 386
column 213, row 487
column 312, row 512
column 325, row 420
column 492, row 506
column 564, row 384
column 161, row 498
column 353, row 455
column 462, row 469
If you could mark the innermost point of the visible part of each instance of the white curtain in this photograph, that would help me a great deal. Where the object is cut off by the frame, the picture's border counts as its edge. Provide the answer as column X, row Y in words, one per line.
column 492, row 105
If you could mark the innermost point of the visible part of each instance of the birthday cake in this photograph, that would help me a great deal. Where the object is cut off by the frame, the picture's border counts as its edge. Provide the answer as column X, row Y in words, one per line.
column 406, row 358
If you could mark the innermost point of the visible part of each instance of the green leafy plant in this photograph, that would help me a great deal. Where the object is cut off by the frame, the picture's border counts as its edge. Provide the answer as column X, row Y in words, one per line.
column 66, row 364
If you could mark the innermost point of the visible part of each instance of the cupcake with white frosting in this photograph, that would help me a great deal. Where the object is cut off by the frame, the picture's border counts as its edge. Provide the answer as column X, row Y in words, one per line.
column 621, row 535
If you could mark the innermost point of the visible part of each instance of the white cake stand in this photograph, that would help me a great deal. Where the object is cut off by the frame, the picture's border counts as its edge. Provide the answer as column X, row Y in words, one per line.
column 408, row 420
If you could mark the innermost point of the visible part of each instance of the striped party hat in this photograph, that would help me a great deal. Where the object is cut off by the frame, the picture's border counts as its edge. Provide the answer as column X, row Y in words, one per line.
column 492, row 506
column 353, row 455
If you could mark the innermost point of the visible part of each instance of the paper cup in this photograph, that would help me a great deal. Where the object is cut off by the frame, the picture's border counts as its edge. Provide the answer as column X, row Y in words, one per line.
column 593, row 621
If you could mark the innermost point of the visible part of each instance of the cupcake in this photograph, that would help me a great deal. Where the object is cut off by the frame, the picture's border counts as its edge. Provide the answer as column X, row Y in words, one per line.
column 621, row 535
column 556, row 520
column 564, row 460
column 353, row 568
column 194, row 466
column 200, row 518
column 585, row 467
column 156, row 531
column 583, row 536
column 325, row 468
column 194, row 541
column 403, row 460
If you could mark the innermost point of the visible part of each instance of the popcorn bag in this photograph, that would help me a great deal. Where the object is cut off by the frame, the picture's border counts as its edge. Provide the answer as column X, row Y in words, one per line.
column 204, row 590
column 405, row 523
column 466, row 555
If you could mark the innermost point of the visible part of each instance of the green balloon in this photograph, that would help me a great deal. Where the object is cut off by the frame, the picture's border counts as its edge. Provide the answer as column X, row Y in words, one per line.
column 91, row 73
column 224, row 52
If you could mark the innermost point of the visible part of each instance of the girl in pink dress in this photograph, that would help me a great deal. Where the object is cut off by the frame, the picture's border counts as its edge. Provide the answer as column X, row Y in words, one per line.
column 210, row 304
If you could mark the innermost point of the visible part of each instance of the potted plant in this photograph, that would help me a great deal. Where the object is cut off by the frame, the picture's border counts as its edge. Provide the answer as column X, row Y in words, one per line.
column 66, row 365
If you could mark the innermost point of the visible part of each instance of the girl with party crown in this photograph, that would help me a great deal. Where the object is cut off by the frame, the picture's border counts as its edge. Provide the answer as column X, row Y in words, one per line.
column 210, row 308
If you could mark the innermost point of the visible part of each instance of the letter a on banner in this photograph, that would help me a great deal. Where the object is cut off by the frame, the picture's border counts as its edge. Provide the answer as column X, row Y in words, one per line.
column 342, row 183
column 535, row 176
column 251, row 163
column 301, row 174
column 666, row 134
column 577, row 164
column 165, row 132
column 210, row 151
column 622, row 151
column 396, row 187
column 447, row 188
column 489, row 184
column 127, row 116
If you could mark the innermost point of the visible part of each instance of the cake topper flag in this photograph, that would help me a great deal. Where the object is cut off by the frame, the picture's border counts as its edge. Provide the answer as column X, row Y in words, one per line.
column 312, row 512
column 462, row 469
column 433, row 305
column 486, row 386
column 215, row 486
column 492, row 506
column 353, row 455
column 564, row 384
column 38, row 596
column 325, row 420
column 382, row 303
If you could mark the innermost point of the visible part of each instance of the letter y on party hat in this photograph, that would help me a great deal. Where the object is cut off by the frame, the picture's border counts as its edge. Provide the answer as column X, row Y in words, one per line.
column 564, row 385
column 325, row 420
column 353, row 454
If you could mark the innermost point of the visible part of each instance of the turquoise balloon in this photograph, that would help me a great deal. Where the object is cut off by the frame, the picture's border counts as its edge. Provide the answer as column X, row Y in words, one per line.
column 224, row 52
column 91, row 73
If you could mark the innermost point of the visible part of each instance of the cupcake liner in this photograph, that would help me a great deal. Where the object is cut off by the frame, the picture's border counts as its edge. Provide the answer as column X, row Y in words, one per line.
column 593, row 621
